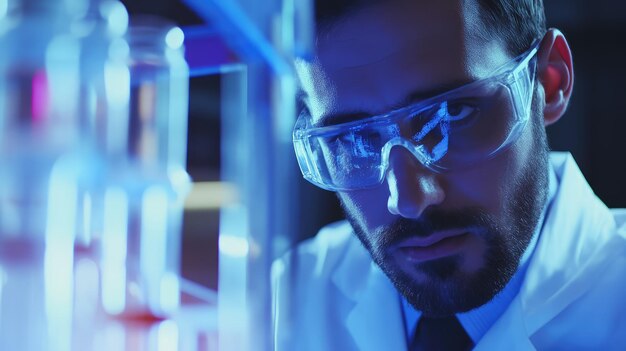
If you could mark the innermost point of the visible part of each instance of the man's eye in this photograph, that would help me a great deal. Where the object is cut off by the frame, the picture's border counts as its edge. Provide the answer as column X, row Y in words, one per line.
column 459, row 110
column 372, row 137
column 339, row 139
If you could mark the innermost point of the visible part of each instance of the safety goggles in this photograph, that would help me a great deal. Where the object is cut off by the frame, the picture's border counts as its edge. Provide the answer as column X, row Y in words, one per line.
column 451, row 131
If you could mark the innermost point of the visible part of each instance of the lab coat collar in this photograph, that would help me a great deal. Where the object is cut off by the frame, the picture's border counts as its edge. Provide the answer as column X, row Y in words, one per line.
column 577, row 243
column 577, row 228
column 375, row 321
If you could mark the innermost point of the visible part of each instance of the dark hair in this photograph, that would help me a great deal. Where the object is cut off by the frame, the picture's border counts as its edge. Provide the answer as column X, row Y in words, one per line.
column 518, row 22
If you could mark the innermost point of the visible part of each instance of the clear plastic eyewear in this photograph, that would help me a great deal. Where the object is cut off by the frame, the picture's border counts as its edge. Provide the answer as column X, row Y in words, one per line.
column 451, row 131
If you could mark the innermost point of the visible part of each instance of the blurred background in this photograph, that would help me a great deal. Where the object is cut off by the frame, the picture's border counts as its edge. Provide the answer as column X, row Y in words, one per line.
column 593, row 129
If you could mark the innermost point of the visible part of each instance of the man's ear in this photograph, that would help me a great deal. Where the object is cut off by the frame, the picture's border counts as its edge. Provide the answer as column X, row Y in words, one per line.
column 555, row 71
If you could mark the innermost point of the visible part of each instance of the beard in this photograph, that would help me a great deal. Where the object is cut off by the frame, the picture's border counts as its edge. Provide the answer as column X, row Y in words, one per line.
column 446, row 289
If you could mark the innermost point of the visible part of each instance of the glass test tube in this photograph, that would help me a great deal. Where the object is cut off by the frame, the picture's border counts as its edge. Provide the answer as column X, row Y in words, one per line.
column 143, row 199
column 103, row 105
column 38, row 136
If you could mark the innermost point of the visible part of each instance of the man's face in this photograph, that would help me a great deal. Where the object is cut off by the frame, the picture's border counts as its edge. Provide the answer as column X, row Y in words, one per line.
column 449, row 242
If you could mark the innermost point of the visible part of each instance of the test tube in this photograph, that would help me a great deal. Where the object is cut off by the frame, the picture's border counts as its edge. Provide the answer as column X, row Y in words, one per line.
column 39, row 135
column 103, row 105
column 147, row 181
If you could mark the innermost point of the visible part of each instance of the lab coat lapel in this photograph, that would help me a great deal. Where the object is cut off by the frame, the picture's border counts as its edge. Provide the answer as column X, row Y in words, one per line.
column 577, row 227
column 375, row 321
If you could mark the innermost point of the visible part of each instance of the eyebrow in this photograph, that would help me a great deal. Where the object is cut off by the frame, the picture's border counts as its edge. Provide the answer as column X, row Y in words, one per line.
column 351, row 116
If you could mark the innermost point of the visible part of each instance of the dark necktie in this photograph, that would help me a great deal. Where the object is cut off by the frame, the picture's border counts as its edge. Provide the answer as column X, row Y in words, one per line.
column 445, row 334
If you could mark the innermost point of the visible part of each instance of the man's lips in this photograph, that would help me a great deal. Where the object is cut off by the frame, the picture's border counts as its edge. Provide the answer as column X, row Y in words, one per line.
column 436, row 245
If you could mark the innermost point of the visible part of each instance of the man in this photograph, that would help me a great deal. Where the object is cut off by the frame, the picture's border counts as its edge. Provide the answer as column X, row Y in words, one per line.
column 428, row 120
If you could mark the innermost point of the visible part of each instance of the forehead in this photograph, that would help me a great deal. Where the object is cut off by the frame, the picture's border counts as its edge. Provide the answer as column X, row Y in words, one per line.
column 373, row 60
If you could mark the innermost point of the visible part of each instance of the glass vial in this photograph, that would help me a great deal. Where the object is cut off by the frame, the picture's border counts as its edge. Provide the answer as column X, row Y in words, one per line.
column 147, row 182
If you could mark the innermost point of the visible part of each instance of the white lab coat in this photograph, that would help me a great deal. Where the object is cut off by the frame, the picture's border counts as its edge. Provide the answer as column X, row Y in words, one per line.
column 573, row 296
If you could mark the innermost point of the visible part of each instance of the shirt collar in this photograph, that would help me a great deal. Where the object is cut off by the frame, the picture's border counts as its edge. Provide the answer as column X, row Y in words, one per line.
column 478, row 321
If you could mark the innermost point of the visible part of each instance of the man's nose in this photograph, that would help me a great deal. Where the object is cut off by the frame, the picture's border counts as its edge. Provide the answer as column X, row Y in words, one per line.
column 412, row 186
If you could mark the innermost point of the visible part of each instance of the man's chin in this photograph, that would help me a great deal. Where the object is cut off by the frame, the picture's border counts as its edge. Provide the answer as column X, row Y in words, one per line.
column 439, row 270
column 441, row 288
